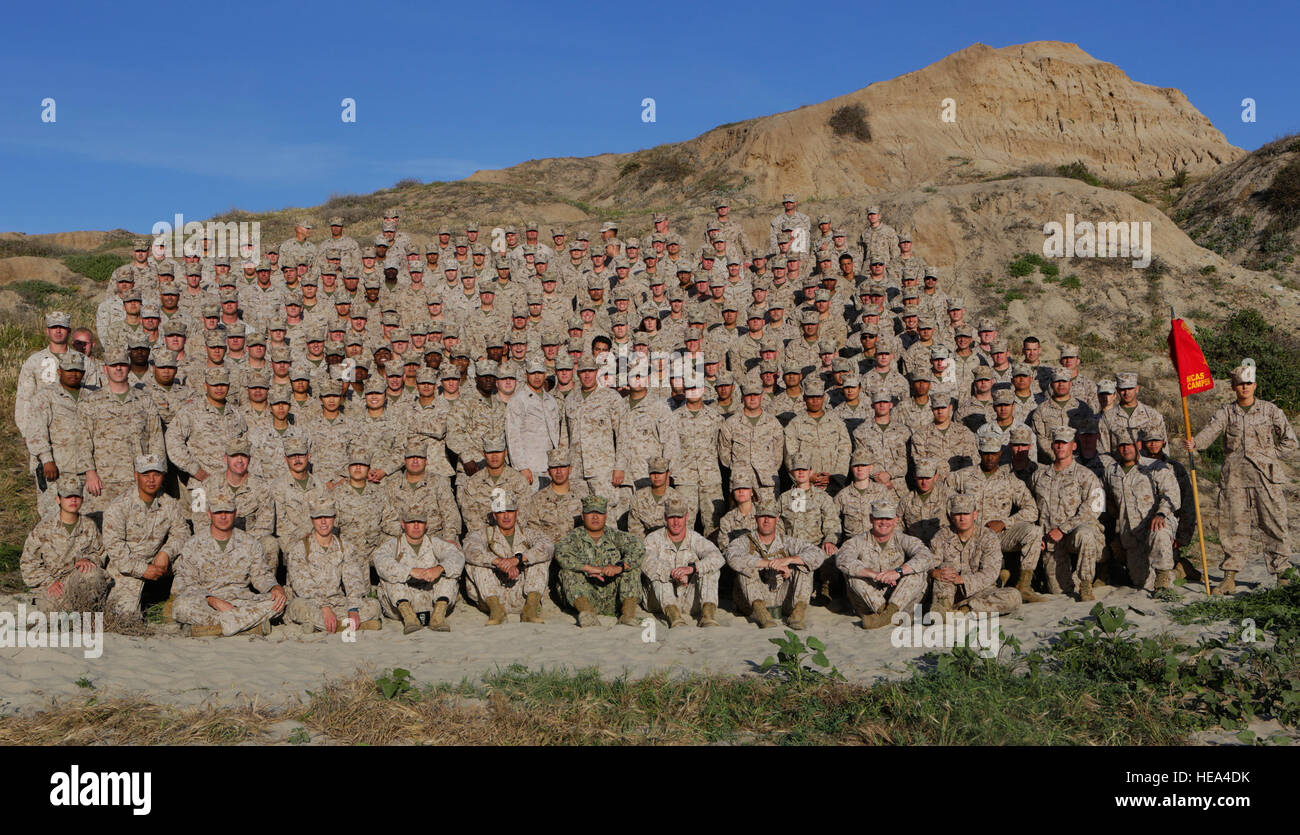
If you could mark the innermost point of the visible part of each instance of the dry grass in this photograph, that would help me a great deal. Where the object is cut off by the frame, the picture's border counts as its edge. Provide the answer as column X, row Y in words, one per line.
column 135, row 722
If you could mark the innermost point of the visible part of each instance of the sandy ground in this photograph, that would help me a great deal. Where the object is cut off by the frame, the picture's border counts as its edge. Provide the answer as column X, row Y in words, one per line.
column 279, row 670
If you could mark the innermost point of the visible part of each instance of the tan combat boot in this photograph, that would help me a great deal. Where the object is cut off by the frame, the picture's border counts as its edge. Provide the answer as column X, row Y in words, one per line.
column 410, row 623
column 1283, row 582
column 627, row 614
column 880, row 619
column 761, row 615
column 167, row 609
column 1183, row 567
column 674, row 616
column 1085, row 590
column 586, row 612
column 438, row 620
column 532, row 612
column 496, row 612
column 1023, row 585
column 205, row 631
column 371, row 625
column 795, row 621
column 263, row 628
column 708, row 614
column 1004, row 577
column 1227, row 585
column 1164, row 579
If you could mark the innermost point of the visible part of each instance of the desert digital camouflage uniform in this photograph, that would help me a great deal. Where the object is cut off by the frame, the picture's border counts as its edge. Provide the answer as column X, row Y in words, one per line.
column 471, row 417
column 912, row 414
column 1069, row 499
column 1138, row 494
column 593, row 426
column 662, row 555
column 1052, row 414
column 365, row 517
column 796, row 220
column 881, row 241
column 978, row 560
column 432, row 494
column 755, row 446
column 328, row 441
column 335, row 576
column 784, row 406
column 1001, row 497
column 864, row 553
column 39, row 372
column 734, row 523
column 1119, row 419
column 134, row 533
column 474, row 494
column 293, row 498
column 809, row 515
column 951, row 449
column 383, row 437
column 56, row 433
column 922, row 514
column 207, row 569
column 50, row 555
column 646, row 511
column 254, row 508
column 393, row 562
column 698, row 477
column 766, row 586
column 647, row 428
column 429, row 425
column 554, row 514
column 824, row 442
column 483, row 580
column 117, row 429
column 886, row 445
column 167, row 400
column 854, row 506
column 292, row 252
column 577, row 549
column 197, row 436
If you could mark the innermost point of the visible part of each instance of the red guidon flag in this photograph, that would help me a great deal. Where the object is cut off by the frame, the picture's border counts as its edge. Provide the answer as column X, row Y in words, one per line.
column 1189, row 362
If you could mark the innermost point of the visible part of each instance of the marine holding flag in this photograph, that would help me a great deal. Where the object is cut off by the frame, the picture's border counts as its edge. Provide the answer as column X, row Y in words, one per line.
column 1255, row 433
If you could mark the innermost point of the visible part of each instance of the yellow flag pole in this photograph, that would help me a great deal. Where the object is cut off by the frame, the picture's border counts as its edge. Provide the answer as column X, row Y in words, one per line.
column 1196, row 499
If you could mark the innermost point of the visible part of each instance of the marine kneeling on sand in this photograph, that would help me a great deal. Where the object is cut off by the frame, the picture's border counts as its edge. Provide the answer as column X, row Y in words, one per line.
column 507, row 565
column 681, row 570
column 773, row 570
column 224, row 585
column 329, row 580
column 418, row 575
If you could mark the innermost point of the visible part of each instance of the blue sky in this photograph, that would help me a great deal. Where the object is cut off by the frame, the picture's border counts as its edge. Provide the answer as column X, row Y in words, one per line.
column 160, row 112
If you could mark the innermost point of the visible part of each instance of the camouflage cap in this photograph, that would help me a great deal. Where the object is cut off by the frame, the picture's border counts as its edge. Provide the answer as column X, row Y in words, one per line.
column 221, row 502
column 800, row 461
column 961, row 503
column 920, row 376
column 321, row 507
column 1021, row 435
column 586, row 363
column 116, row 356
column 153, row 463
column 281, row 394
column 58, row 319
column 808, row 317
column 375, row 385
column 163, row 359
column 989, row 443
column 133, row 295
column 881, row 395
column 486, row 368
column 766, row 507
column 851, row 381
column 1063, row 433
column 295, row 445
column 216, row 376
column 927, row 468
column 657, row 464
column 984, row 372
column 1061, row 375
column 1153, row 432
column 1246, row 372
column 593, row 503
column 280, row 353
column 494, row 443
column 862, row 458
column 1004, row 397
column 1106, row 385
column 559, row 457
column 1126, row 380
column 414, row 512
column 504, row 501
column 1018, row 369
column 449, row 372
column 69, row 484
column 814, row 387
column 258, row 379
column 1068, row 350
column 884, row 509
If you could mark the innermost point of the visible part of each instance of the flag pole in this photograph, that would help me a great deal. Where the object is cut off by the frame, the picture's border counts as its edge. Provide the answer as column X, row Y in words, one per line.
column 1196, row 498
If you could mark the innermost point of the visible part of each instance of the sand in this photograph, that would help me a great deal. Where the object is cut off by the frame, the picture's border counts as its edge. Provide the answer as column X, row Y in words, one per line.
column 282, row 668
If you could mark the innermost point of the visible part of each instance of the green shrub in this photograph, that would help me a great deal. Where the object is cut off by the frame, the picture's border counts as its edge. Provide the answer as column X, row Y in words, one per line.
column 1247, row 334
column 1049, row 271
column 1207, row 269
column 94, row 267
column 36, row 292
column 1283, row 194
column 851, row 121
column 1071, row 282
column 1077, row 170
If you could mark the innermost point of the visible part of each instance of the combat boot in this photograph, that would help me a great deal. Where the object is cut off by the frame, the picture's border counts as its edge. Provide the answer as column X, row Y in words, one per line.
column 795, row 621
column 1183, row 567
column 263, row 628
column 761, row 615
column 410, row 622
column 496, row 612
column 205, row 631
column 1227, row 585
column 586, row 612
column 880, row 619
column 708, row 614
column 627, row 614
column 674, row 616
column 1283, row 582
column 1164, row 579
column 167, row 609
column 1102, row 577
column 371, row 625
column 1004, row 577
column 532, row 612
column 1024, row 586
column 438, row 620
column 1085, row 590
